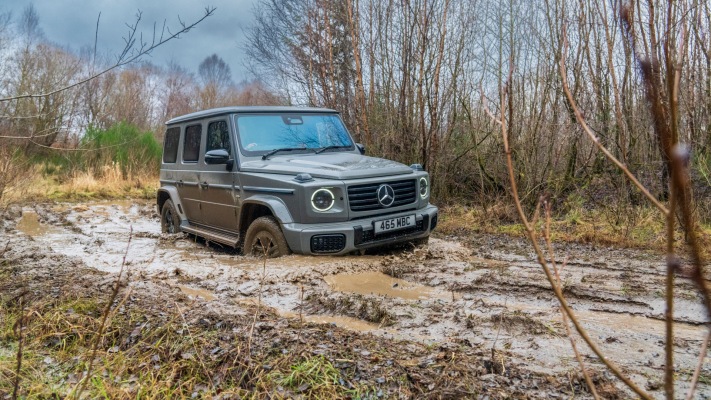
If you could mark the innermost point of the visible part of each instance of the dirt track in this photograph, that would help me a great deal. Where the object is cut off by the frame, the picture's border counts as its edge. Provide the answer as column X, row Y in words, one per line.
column 480, row 293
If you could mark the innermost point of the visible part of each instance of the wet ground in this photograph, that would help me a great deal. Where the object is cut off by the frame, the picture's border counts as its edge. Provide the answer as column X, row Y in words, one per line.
column 485, row 292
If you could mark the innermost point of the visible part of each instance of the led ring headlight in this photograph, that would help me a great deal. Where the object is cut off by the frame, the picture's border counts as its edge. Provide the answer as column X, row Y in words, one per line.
column 322, row 200
column 424, row 187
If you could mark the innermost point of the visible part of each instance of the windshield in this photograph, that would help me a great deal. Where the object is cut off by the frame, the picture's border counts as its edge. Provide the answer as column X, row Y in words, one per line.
column 260, row 134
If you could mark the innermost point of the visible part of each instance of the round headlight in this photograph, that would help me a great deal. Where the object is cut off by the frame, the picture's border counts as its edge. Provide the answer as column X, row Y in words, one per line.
column 322, row 200
column 424, row 187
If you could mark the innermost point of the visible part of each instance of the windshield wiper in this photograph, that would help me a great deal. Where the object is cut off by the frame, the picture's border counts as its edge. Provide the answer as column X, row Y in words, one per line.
column 271, row 153
column 322, row 149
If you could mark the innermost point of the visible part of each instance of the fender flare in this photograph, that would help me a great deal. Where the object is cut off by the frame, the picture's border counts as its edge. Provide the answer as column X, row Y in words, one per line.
column 277, row 206
column 165, row 193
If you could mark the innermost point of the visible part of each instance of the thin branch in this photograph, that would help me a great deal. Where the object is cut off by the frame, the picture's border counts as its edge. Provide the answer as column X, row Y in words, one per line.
column 594, row 138
column 83, row 150
column 52, row 131
column 125, row 57
column 195, row 347
column 96, row 39
column 551, row 255
column 104, row 317
column 259, row 299
column 19, row 326
column 23, row 116
column 539, row 253
column 699, row 365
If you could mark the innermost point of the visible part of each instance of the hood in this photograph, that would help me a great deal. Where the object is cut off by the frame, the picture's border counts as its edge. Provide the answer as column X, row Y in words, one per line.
column 328, row 166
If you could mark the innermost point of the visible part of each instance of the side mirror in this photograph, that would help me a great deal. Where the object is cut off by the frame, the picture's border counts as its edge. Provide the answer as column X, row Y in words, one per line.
column 360, row 148
column 217, row 156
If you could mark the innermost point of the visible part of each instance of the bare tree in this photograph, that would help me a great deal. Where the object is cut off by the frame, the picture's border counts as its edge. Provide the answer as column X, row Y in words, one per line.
column 179, row 89
column 29, row 27
column 213, row 70
column 216, row 78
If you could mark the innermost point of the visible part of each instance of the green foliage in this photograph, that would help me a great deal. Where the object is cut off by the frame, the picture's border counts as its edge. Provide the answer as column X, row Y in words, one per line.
column 315, row 374
column 122, row 145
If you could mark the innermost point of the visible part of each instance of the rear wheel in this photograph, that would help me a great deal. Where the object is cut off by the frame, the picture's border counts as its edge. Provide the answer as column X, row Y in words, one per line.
column 169, row 219
column 265, row 238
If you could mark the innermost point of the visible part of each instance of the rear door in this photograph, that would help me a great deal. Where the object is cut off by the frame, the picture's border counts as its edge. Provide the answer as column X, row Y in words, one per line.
column 217, row 186
column 188, row 176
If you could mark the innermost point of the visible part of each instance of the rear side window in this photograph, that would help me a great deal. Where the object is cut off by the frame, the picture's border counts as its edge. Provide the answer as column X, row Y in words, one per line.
column 218, row 137
column 170, row 145
column 191, row 148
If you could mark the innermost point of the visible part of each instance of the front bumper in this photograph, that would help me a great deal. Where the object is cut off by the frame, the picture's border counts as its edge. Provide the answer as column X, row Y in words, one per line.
column 345, row 237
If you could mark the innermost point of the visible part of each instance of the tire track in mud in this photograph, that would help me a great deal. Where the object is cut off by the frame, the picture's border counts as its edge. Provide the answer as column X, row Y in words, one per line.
column 498, row 302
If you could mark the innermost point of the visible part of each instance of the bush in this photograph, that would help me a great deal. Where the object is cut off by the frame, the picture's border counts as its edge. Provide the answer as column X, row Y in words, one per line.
column 122, row 145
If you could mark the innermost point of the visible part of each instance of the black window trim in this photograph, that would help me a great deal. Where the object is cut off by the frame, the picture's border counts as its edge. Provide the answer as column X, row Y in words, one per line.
column 185, row 132
column 207, row 132
column 177, row 146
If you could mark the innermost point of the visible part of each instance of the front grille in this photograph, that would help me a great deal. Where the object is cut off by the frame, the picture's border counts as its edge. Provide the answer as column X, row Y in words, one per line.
column 328, row 243
column 362, row 236
column 365, row 198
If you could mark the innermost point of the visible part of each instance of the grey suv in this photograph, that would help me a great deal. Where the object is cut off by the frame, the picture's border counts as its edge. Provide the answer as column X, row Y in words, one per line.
column 276, row 180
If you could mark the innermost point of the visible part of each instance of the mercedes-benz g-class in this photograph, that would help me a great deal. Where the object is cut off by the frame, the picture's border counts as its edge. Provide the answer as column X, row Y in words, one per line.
column 275, row 180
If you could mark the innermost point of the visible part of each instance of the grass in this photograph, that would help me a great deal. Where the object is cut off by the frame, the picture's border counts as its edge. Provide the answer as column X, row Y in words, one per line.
column 117, row 162
column 81, row 186
column 151, row 349
column 633, row 227
column 313, row 377
column 143, row 355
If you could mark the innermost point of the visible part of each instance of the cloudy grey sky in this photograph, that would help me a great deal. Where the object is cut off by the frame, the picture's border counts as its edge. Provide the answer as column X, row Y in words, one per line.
column 72, row 23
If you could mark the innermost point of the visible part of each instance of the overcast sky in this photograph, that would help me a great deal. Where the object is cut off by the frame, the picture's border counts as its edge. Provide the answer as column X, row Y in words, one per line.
column 72, row 23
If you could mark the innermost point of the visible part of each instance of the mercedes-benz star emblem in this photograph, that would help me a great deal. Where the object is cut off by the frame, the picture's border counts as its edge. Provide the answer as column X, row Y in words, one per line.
column 386, row 195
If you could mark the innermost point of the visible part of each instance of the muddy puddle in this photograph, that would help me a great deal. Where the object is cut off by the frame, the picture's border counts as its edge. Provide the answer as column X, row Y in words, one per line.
column 196, row 293
column 481, row 293
column 377, row 283
column 30, row 225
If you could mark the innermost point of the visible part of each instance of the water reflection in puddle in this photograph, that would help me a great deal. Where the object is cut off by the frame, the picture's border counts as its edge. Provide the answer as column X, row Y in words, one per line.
column 30, row 225
column 377, row 283
column 195, row 292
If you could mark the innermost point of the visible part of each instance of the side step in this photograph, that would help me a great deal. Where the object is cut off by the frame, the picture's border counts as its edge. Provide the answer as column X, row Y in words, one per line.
column 211, row 235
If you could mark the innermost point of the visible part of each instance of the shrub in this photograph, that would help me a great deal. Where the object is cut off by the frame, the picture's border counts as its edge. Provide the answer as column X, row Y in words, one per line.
column 122, row 145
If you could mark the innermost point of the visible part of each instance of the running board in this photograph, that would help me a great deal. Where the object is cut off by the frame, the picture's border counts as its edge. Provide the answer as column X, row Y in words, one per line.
column 211, row 235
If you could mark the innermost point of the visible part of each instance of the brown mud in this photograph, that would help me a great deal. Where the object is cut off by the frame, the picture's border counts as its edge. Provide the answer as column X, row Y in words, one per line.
column 484, row 296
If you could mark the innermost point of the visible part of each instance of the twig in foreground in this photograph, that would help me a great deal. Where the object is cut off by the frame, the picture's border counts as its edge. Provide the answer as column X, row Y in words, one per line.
column 531, row 234
column 104, row 317
column 551, row 255
column 19, row 325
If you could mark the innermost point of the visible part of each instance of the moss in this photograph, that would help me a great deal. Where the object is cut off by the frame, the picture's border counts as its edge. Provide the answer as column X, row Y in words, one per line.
column 514, row 229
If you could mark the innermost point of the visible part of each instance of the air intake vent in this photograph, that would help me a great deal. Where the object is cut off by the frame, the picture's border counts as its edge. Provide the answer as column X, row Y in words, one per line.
column 365, row 197
column 328, row 243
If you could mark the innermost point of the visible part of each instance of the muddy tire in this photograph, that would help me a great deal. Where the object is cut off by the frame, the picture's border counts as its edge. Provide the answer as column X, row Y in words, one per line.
column 169, row 218
column 264, row 237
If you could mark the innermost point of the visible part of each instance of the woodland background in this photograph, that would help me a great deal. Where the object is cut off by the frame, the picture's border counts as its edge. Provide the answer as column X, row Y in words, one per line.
column 411, row 79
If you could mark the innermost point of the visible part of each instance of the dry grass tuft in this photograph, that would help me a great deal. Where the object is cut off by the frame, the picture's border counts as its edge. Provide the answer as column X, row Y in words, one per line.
column 82, row 186
column 634, row 227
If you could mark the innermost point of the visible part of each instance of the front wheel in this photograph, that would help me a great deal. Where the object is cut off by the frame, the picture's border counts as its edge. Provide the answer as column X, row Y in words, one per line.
column 169, row 219
column 264, row 238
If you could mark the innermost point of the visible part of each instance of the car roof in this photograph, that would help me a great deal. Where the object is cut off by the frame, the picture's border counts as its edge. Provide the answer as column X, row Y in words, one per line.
column 246, row 109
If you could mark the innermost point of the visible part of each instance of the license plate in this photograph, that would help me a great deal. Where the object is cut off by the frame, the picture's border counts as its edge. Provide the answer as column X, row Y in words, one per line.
column 394, row 224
